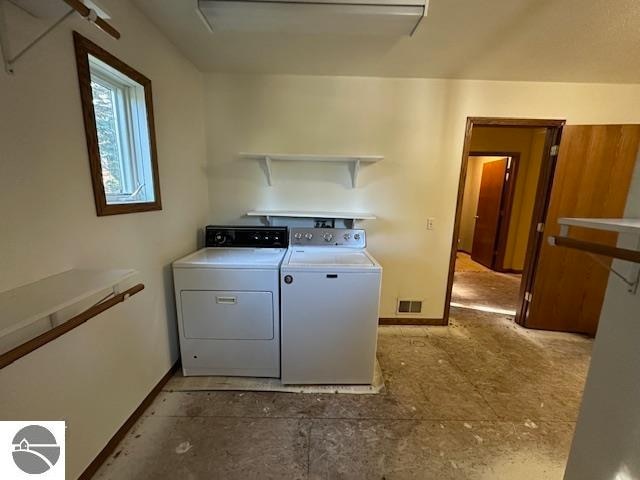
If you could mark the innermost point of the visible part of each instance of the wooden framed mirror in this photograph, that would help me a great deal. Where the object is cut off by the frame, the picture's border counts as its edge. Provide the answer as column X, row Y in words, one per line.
column 117, row 106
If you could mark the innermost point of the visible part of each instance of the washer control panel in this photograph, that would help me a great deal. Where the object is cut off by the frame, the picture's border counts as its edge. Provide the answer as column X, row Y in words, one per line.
column 327, row 237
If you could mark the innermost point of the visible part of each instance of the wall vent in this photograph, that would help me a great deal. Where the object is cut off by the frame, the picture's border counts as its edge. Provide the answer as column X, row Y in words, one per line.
column 409, row 306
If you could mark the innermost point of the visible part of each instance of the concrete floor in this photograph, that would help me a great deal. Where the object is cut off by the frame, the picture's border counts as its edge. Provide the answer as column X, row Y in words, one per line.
column 481, row 399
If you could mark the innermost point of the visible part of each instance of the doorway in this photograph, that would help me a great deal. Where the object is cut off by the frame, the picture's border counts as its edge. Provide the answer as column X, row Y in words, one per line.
column 584, row 171
column 506, row 168
column 487, row 209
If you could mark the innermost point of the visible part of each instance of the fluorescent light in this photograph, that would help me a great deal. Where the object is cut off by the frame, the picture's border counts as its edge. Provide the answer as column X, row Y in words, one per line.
column 386, row 18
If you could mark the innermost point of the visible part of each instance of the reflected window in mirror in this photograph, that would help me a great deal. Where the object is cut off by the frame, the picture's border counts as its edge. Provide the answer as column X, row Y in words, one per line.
column 118, row 117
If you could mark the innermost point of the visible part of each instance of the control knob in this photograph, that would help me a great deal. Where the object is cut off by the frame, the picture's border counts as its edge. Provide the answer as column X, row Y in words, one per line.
column 347, row 236
column 308, row 236
column 219, row 238
column 356, row 236
column 327, row 237
column 297, row 236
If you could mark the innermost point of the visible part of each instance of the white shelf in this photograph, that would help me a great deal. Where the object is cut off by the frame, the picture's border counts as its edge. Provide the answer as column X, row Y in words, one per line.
column 24, row 305
column 620, row 225
column 353, row 216
column 354, row 160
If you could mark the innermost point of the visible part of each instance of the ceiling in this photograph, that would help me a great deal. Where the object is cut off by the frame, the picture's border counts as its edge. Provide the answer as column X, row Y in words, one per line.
column 534, row 40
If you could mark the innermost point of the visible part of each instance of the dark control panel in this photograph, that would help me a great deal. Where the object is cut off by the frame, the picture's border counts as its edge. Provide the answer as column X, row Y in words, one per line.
column 255, row 237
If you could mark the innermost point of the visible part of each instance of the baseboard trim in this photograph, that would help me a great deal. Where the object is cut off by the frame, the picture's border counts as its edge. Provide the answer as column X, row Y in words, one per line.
column 412, row 321
column 111, row 445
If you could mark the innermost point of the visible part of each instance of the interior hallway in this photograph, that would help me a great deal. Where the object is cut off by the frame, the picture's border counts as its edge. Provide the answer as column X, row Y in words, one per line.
column 476, row 286
column 476, row 400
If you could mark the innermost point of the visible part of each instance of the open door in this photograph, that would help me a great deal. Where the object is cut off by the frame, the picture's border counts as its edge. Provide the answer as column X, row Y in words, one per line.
column 488, row 214
column 592, row 178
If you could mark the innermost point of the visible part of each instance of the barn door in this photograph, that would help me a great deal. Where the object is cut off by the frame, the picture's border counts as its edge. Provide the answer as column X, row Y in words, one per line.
column 485, row 233
column 592, row 178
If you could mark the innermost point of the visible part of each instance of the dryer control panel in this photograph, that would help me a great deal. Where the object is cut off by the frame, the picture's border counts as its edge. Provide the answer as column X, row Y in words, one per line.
column 328, row 237
column 253, row 237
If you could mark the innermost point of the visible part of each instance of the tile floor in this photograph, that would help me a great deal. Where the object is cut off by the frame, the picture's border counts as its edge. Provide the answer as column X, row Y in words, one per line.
column 481, row 399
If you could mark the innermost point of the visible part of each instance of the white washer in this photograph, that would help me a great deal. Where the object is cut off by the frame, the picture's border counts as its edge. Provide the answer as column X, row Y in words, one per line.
column 330, row 300
column 228, row 303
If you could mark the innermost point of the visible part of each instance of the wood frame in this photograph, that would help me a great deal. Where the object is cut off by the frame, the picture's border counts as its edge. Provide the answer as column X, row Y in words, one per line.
column 409, row 321
column 508, row 196
column 543, row 194
column 86, row 12
column 83, row 48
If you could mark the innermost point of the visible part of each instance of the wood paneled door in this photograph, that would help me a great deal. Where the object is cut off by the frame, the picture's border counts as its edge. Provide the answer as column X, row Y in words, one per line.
column 488, row 214
column 592, row 178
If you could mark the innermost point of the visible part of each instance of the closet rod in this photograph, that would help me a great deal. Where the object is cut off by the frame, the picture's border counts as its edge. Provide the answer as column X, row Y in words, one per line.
column 596, row 248
column 11, row 356
column 90, row 15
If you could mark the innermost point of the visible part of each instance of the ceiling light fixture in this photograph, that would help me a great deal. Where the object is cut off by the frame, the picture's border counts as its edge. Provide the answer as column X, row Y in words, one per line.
column 340, row 17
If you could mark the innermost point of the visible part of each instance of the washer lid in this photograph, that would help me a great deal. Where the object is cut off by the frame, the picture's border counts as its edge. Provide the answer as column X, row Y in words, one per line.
column 329, row 257
column 265, row 258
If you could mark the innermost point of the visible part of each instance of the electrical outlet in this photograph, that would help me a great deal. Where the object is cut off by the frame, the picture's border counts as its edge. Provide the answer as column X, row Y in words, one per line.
column 430, row 221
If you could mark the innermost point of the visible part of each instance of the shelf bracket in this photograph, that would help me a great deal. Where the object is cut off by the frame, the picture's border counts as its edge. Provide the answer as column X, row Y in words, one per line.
column 354, row 174
column 75, row 6
column 9, row 60
column 594, row 250
column 267, row 167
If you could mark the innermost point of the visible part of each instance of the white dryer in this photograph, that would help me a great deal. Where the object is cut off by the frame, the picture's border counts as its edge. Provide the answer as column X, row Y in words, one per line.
column 228, row 302
column 330, row 300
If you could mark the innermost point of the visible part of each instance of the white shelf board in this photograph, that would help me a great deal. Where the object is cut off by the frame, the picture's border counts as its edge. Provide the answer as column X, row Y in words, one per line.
column 620, row 225
column 313, row 158
column 354, row 160
column 24, row 305
column 309, row 214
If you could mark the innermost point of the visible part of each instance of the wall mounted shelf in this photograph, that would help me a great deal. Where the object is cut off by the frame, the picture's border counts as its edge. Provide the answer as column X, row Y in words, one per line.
column 620, row 225
column 351, row 216
column 24, row 305
column 617, row 225
column 354, row 161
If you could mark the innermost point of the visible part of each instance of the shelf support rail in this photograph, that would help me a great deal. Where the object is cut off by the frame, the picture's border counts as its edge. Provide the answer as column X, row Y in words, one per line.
column 595, row 249
column 76, row 6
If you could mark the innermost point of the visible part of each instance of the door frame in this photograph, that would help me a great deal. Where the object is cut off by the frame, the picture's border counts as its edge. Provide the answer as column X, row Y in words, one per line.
column 543, row 195
column 508, row 196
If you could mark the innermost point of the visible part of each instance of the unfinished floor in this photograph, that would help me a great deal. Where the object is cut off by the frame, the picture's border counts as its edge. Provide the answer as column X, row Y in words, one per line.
column 481, row 399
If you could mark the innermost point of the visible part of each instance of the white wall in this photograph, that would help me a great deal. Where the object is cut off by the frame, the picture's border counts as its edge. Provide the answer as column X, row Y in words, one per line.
column 417, row 124
column 606, row 445
column 96, row 375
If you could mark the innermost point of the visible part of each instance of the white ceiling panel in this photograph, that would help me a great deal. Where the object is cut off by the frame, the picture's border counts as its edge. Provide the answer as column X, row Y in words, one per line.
column 535, row 40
